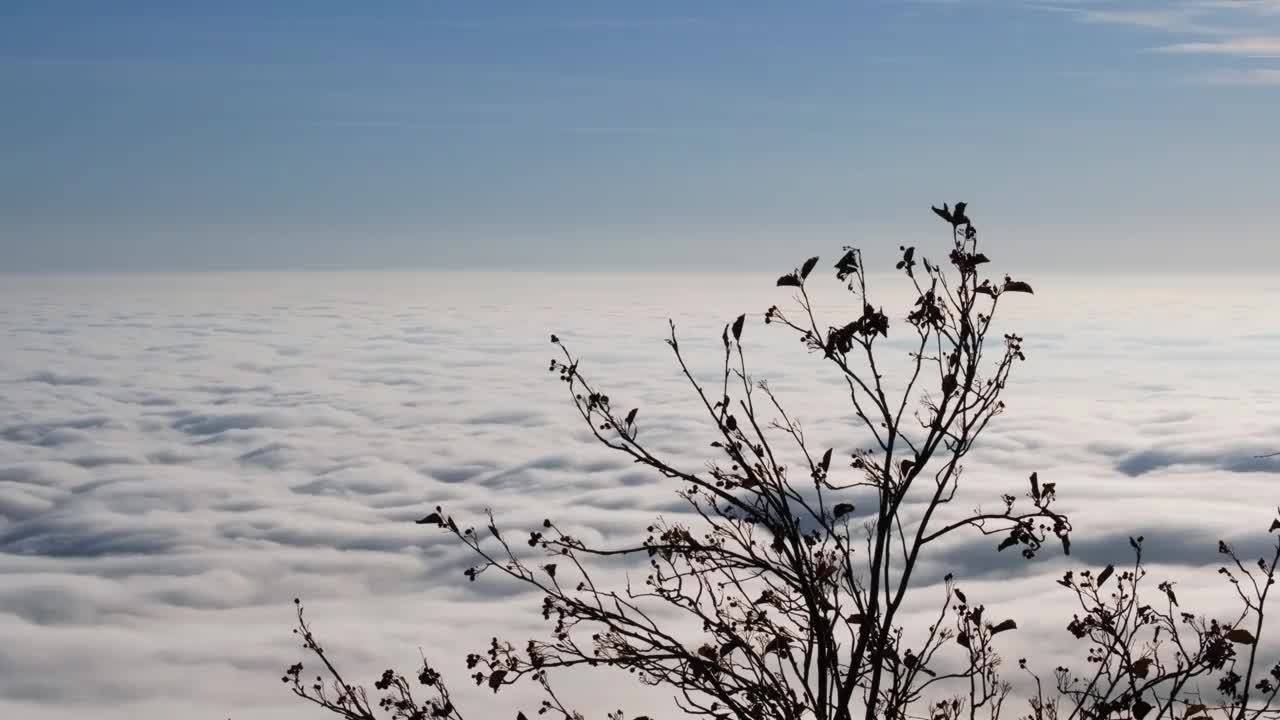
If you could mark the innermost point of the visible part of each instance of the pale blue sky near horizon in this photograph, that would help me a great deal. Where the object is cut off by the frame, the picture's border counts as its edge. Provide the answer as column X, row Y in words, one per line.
column 1100, row 135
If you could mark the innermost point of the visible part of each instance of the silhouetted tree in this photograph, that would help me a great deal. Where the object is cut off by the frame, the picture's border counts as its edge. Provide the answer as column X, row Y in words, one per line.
column 791, row 595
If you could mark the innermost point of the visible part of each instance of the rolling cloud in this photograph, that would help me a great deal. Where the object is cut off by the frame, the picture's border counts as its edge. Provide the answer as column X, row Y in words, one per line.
column 180, row 458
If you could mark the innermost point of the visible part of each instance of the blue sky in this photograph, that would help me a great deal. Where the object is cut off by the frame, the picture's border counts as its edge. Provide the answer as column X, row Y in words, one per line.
column 434, row 134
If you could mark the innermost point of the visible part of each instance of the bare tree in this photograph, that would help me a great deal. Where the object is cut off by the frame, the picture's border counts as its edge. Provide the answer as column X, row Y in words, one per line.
column 790, row 597
column 1151, row 658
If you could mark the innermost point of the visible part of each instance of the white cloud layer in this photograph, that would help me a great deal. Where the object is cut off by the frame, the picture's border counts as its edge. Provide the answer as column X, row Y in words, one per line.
column 180, row 456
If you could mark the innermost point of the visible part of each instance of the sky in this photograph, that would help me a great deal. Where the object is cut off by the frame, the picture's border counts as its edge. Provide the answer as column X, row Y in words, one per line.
column 175, row 135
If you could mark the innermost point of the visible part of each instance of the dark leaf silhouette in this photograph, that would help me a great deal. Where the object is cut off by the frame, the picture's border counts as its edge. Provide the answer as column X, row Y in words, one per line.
column 1105, row 575
column 842, row 509
column 1141, row 667
column 432, row 519
column 778, row 644
column 1004, row 627
column 908, row 259
column 631, row 416
column 737, row 327
column 825, row 464
column 808, row 267
column 790, row 280
column 847, row 265
column 496, row 678
column 1016, row 286
column 944, row 212
column 1241, row 636
column 1141, row 708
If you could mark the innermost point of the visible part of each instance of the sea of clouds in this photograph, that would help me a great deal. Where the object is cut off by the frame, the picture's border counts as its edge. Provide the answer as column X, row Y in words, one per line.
column 181, row 455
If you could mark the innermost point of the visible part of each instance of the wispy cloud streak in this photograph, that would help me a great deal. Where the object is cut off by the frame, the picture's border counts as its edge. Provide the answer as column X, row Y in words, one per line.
column 1238, row 32
column 1249, row 47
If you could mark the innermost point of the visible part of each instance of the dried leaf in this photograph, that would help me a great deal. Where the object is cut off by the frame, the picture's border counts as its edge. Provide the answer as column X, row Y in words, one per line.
column 1241, row 636
column 808, row 267
column 1004, row 626
column 1105, row 575
column 737, row 327
column 846, row 265
column 1141, row 667
column 789, row 280
column 842, row 509
column 432, row 519
column 495, row 679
